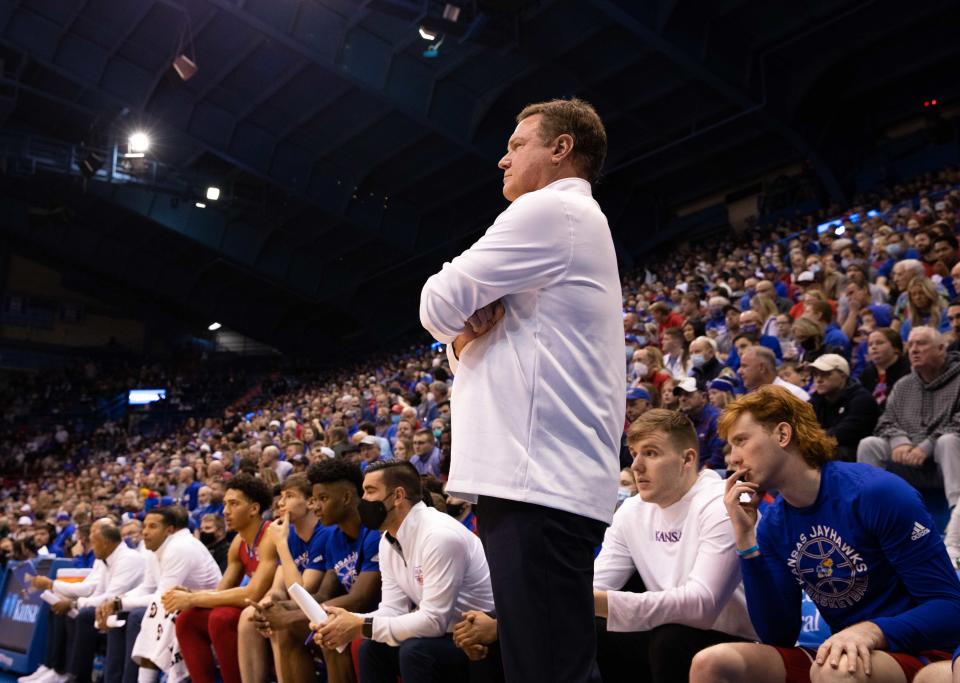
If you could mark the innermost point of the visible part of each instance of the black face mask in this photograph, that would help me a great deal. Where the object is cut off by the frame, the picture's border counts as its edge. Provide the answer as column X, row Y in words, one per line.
column 373, row 513
column 208, row 538
column 455, row 510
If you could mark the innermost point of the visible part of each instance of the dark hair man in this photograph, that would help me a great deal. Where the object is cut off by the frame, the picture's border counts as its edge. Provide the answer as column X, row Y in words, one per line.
column 534, row 307
column 208, row 619
column 856, row 539
column 428, row 560
column 148, row 638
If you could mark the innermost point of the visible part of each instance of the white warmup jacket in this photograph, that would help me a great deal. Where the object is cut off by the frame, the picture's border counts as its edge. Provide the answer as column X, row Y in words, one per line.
column 538, row 402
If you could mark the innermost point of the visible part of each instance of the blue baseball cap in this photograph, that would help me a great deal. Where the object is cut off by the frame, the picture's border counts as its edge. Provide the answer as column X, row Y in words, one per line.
column 634, row 393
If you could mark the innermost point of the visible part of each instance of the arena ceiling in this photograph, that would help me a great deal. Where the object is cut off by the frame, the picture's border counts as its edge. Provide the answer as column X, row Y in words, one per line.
column 352, row 165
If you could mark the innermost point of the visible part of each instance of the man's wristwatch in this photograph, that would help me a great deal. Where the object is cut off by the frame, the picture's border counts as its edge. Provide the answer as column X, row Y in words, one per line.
column 367, row 630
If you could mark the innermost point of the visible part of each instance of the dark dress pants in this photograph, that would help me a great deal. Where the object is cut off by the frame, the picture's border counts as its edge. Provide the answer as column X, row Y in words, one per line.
column 120, row 668
column 541, row 569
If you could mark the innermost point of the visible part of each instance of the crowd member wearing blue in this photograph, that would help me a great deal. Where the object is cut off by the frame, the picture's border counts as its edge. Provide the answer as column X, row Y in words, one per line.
column 639, row 401
column 206, row 505
column 833, row 337
column 188, row 488
column 64, row 537
column 301, row 543
column 695, row 405
column 856, row 539
column 426, row 456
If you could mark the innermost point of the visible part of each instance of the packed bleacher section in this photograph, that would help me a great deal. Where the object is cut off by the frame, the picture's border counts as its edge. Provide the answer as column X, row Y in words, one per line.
column 855, row 311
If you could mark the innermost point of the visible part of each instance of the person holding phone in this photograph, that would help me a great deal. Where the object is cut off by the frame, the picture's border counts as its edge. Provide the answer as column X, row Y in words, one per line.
column 855, row 538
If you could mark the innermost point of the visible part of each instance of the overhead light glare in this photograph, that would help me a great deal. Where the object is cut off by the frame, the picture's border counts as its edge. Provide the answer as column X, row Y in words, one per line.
column 213, row 327
column 138, row 143
column 213, row 193
column 427, row 34
column 200, row 205
column 451, row 12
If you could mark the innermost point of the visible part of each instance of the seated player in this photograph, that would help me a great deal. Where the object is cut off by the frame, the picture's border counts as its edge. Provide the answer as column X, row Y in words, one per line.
column 676, row 534
column 857, row 539
column 351, row 579
column 208, row 620
column 433, row 570
column 300, row 542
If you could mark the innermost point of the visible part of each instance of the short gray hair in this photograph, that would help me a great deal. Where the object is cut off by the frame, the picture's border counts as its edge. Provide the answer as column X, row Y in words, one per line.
column 706, row 340
column 765, row 355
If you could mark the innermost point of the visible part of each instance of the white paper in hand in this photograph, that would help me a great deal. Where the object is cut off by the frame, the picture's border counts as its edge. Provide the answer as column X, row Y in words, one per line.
column 745, row 497
column 310, row 607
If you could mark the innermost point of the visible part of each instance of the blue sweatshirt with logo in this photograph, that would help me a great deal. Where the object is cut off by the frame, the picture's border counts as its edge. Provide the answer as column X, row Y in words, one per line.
column 866, row 550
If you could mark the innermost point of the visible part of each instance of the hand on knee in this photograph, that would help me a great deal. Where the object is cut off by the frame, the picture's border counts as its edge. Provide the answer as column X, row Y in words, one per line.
column 825, row 673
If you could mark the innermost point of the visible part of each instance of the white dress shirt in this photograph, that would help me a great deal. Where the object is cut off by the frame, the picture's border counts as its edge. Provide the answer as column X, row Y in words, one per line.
column 181, row 560
column 537, row 403
column 685, row 555
column 120, row 572
column 799, row 392
column 437, row 572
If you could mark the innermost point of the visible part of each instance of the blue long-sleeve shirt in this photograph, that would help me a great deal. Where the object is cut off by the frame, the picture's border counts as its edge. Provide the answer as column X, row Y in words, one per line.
column 711, row 445
column 866, row 550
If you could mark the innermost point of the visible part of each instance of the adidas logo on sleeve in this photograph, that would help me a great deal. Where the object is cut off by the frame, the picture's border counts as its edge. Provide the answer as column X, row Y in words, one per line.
column 919, row 531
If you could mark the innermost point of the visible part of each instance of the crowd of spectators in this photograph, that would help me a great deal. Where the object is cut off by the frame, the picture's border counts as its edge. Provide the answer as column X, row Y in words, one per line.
column 860, row 317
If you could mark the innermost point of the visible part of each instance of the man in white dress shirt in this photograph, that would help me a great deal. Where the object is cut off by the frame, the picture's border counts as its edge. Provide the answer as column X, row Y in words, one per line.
column 117, row 569
column 758, row 367
column 174, row 558
column 432, row 570
column 531, row 315
column 676, row 535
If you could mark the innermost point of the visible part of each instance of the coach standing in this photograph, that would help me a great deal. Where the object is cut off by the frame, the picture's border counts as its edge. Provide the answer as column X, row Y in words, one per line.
column 531, row 314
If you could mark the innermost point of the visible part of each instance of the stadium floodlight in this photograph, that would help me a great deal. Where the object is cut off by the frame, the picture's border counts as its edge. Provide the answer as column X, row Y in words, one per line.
column 427, row 34
column 213, row 193
column 213, row 327
column 138, row 143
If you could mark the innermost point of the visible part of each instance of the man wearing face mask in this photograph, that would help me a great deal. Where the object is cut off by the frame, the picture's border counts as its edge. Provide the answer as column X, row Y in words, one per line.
column 433, row 570
column 703, row 355
column 213, row 535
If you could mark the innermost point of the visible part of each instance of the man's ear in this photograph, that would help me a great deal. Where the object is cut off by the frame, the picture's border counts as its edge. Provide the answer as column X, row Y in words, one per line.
column 784, row 434
column 562, row 147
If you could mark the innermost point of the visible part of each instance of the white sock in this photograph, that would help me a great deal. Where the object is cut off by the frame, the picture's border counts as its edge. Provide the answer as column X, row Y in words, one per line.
column 148, row 675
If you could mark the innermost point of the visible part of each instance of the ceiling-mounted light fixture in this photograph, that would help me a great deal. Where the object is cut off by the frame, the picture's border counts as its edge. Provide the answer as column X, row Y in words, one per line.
column 427, row 34
column 451, row 12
